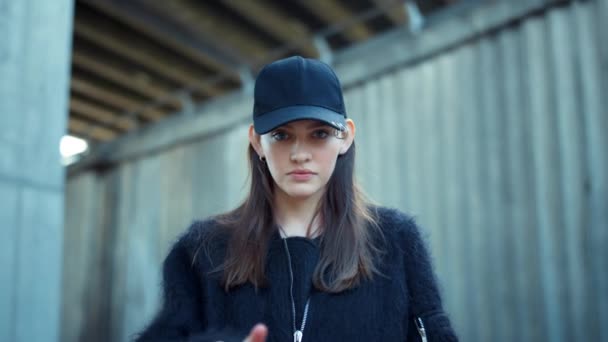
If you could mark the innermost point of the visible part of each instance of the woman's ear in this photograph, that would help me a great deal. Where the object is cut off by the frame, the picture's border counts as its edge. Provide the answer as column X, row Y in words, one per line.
column 254, row 139
column 350, row 136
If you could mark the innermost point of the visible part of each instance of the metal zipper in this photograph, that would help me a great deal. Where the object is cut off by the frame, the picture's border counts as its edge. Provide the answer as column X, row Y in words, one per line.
column 297, row 334
column 420, row 327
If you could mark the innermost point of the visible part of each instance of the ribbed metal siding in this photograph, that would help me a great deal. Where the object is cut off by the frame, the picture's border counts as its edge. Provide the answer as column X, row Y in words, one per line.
column 498, row 147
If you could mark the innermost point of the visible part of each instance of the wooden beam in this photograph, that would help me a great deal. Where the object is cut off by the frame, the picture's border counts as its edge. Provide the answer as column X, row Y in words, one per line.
column 96, row 113
column 205, row 20
column 113, row 99
column 124, row 78
column 285, row 29
column 332, row 12
column 83, row 128
column 178, row 39
column 394, row 9
column 139, row 53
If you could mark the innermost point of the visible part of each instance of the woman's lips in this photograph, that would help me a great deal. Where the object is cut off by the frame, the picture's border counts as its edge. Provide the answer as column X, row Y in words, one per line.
column 301, row 175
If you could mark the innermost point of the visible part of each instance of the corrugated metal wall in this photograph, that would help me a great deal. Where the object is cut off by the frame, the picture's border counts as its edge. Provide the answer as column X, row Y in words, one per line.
column 120, row 225
column 497, row 146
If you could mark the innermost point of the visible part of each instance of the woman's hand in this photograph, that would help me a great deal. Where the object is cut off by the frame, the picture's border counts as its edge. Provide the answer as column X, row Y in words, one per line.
column 257, row 334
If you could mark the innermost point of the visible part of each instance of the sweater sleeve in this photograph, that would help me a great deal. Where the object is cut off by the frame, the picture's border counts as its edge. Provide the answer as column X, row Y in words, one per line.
column 180, row 317
column 425, row 298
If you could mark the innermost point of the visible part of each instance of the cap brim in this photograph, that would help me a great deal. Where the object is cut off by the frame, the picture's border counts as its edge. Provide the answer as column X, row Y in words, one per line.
column 271, row 120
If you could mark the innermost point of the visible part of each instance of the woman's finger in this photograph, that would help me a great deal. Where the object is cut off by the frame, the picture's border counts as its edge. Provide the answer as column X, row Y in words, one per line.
column 258, row 333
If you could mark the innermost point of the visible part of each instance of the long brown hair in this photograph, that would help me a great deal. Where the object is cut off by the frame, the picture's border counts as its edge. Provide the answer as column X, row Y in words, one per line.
column 348, row 246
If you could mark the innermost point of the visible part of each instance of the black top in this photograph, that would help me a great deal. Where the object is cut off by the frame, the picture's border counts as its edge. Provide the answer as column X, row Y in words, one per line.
column 196, row 308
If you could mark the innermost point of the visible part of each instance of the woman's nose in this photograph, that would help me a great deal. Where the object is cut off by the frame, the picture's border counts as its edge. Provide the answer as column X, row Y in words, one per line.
column 299, row 154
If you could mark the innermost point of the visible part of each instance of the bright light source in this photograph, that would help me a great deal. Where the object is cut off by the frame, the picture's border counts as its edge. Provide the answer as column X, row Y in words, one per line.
column 71, row 146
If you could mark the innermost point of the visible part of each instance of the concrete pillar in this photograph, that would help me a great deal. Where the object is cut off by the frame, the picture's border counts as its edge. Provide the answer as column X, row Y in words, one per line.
column 34, row 86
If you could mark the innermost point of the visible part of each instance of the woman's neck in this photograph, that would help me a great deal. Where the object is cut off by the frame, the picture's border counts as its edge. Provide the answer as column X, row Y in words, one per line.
column 294, row 215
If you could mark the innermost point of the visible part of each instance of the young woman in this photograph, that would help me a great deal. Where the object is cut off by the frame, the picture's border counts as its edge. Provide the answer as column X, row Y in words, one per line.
column 304, row 257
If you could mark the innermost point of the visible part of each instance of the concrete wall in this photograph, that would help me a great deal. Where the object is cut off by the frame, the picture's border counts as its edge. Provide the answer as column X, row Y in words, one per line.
column 488, row 127
column 33, row 112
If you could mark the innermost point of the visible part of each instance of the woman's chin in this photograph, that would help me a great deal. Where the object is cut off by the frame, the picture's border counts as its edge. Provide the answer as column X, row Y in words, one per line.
column 299, row 195
column 302, row 195
column 300, row 192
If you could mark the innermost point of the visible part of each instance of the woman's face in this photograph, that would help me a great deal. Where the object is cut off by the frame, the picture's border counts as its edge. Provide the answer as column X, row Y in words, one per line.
column 301, row 156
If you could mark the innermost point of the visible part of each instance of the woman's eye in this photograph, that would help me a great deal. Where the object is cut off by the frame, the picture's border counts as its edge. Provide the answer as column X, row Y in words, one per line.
column 279, row 136
column 320, row 134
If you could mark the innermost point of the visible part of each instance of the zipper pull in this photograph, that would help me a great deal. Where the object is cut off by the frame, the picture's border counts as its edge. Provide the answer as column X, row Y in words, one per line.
column 297, row 336
column 420, row 327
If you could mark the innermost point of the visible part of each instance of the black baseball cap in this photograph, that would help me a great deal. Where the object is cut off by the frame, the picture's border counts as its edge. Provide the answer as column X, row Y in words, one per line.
column 297, row 88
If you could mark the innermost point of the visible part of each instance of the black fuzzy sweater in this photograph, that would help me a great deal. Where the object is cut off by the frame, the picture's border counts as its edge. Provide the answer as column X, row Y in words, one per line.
column 196, row 308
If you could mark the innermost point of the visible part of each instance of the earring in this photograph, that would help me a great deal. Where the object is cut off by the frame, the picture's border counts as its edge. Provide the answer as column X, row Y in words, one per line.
column 262, row 159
